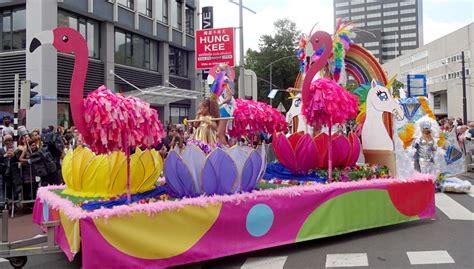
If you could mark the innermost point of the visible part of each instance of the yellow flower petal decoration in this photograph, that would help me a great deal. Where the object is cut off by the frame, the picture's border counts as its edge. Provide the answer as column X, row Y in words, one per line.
column 90, row 175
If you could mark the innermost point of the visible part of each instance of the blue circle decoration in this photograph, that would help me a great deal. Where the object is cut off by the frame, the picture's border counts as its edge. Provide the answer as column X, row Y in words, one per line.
column 45, row 212
column 259, row 220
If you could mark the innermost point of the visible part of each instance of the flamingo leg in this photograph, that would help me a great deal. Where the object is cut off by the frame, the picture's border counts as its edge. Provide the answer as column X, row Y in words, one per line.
column 330, row 151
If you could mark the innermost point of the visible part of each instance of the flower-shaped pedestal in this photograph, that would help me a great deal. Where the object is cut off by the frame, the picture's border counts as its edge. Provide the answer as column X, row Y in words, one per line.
column 192, row 173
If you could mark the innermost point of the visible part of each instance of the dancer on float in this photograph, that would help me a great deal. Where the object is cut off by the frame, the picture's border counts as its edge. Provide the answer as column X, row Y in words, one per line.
column 425, row 148
column 226, row 102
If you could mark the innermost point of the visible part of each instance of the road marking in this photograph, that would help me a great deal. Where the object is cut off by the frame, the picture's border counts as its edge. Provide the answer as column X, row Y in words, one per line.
column 2, row 260
column 452, row 209
column 347, row 260
column 265, row 263
column 429, row 257
column 471, row 193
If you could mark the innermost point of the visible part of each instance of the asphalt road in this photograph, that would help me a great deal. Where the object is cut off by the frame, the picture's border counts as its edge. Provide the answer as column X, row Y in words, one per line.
column 444, row 242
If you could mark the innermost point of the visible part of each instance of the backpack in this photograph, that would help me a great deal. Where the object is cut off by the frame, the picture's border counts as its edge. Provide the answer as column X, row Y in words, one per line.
column 43, row 163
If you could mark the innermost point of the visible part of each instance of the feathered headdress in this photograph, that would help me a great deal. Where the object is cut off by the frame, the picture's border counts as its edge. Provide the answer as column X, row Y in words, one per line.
column 341, row 43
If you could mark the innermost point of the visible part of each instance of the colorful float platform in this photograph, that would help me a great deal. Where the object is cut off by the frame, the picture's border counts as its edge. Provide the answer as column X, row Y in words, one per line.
column 175, row 232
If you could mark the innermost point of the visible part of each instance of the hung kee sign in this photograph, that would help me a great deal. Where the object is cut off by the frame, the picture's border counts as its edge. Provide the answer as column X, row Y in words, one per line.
column 214, row 46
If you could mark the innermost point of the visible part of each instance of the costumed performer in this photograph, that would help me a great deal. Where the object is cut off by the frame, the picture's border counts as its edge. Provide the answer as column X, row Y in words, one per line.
column 226, row 103
column 424, row 148
column 205, row 125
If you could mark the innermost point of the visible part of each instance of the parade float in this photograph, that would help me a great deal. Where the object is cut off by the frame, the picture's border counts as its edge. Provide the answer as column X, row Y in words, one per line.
column 213, row 202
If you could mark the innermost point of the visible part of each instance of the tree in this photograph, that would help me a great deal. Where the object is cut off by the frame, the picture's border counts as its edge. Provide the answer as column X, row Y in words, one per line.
column 283, row 43
column 397, row 85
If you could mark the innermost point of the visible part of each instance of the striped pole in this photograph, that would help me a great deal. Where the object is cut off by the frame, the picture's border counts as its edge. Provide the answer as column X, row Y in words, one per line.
column 15, row 110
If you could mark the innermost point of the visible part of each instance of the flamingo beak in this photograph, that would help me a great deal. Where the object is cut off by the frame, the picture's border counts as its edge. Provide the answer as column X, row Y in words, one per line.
column 45, row 37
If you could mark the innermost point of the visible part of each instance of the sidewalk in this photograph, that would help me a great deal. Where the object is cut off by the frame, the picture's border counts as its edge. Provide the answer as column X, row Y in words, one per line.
column 21, row 227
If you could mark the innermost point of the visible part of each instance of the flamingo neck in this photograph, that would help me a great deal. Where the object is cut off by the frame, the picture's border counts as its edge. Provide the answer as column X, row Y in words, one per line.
column 76, row 91
column 318, row 64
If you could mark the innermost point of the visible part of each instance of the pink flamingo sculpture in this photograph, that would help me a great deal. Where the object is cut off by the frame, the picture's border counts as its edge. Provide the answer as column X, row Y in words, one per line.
column 107, row 121
column 324, row 101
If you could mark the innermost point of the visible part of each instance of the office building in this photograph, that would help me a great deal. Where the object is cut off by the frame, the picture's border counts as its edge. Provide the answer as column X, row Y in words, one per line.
column 440, row 61
column 145, row 43
column 387, row 28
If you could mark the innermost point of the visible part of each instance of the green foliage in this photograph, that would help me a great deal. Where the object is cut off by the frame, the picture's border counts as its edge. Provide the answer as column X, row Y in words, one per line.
column 283, row 43
column 397, row 85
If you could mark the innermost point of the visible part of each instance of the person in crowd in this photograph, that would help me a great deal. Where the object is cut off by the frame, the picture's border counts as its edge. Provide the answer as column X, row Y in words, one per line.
column 9, row 169
column 30, row 185
column 35, row 135
column 6, row 128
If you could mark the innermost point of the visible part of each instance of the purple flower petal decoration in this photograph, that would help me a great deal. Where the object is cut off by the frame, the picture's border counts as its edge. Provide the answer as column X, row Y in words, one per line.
column 219, row 173
column 251, row 171
column 194, row 159
column 177, row 175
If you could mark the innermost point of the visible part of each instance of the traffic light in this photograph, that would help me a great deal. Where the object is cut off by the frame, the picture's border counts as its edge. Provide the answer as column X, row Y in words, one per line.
column 29, row 98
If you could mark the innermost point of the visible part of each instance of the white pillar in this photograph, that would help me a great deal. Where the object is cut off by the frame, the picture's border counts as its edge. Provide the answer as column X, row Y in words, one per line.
column 41, row 66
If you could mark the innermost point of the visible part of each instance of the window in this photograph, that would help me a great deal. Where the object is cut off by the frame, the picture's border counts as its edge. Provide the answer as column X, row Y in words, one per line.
column 390, row 21
column 177, row 114
column 407, row 3
column 144, row 7
column 180, row 15
column 388, row 37
column 356, row 2
column 372, row 1
column 373, row 15
column 165, row 11
column 408, row 19
column 189, row 20
column 178, row 62
column 359, row 24
column 408, row 35
column 409, row 43
column 342, row 11
column 87, row 27
column 390, row 13
column 390, row 5
column 359, row 9
column 390, row 45
column 371, row 44
column 407, row 11
column 376, row 7
column 407, row 27
column 372, row 23
column 390, row 52
column 374, row 52
column 127, row 3
column 358, row 17
column 390, row 29
column 342, row 4
column 13, row 26
column 132, row 49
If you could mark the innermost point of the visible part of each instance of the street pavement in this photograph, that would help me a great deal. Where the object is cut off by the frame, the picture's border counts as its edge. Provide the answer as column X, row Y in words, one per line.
column 444, row 242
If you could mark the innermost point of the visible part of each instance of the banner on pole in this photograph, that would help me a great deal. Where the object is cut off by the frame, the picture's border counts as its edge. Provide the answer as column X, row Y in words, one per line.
column 214, row 46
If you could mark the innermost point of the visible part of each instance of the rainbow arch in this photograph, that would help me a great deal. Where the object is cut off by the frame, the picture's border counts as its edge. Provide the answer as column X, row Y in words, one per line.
column 363, row 66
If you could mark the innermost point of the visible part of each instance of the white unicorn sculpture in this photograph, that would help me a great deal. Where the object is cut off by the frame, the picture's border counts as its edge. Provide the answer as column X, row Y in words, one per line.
column 374, row 134
column 295, row 118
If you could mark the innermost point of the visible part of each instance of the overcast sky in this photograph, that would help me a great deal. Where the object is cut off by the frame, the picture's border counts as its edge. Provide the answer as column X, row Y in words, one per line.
column 440, row 17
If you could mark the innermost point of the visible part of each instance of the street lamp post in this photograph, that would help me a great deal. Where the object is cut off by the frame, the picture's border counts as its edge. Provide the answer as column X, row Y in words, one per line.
column 271, row 67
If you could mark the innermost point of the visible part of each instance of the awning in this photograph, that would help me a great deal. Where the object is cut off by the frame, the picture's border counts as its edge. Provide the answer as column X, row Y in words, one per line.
column 162, row 95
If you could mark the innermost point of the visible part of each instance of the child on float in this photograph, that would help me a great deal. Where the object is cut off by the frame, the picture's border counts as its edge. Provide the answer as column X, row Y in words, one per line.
column 206, row 127
column 226, row 103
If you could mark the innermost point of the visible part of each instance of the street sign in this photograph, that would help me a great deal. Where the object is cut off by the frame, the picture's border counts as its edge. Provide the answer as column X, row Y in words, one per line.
column 416, row 85
column 214, row 46
column 207, row 18
column 272, row 93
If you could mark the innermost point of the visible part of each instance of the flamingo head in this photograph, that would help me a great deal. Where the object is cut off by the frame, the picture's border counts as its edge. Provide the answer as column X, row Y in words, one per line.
column 317, row 41
column 63, row 39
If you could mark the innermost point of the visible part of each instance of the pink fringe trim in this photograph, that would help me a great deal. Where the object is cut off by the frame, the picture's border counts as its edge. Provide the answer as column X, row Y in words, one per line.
column 75, row 212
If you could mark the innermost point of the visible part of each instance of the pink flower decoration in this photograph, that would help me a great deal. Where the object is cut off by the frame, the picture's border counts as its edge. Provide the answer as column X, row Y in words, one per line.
column 113, row 119
column 253, row 117
column 325, row 99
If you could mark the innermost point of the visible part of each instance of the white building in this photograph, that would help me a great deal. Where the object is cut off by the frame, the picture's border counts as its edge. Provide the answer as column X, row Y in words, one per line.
column 440, row 61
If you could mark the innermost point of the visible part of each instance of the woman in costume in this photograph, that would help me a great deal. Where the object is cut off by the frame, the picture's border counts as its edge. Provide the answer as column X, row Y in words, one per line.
column 226, row 100
column 425, row 148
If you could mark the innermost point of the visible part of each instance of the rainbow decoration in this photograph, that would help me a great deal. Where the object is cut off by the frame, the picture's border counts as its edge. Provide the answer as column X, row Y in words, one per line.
column 363, row 66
